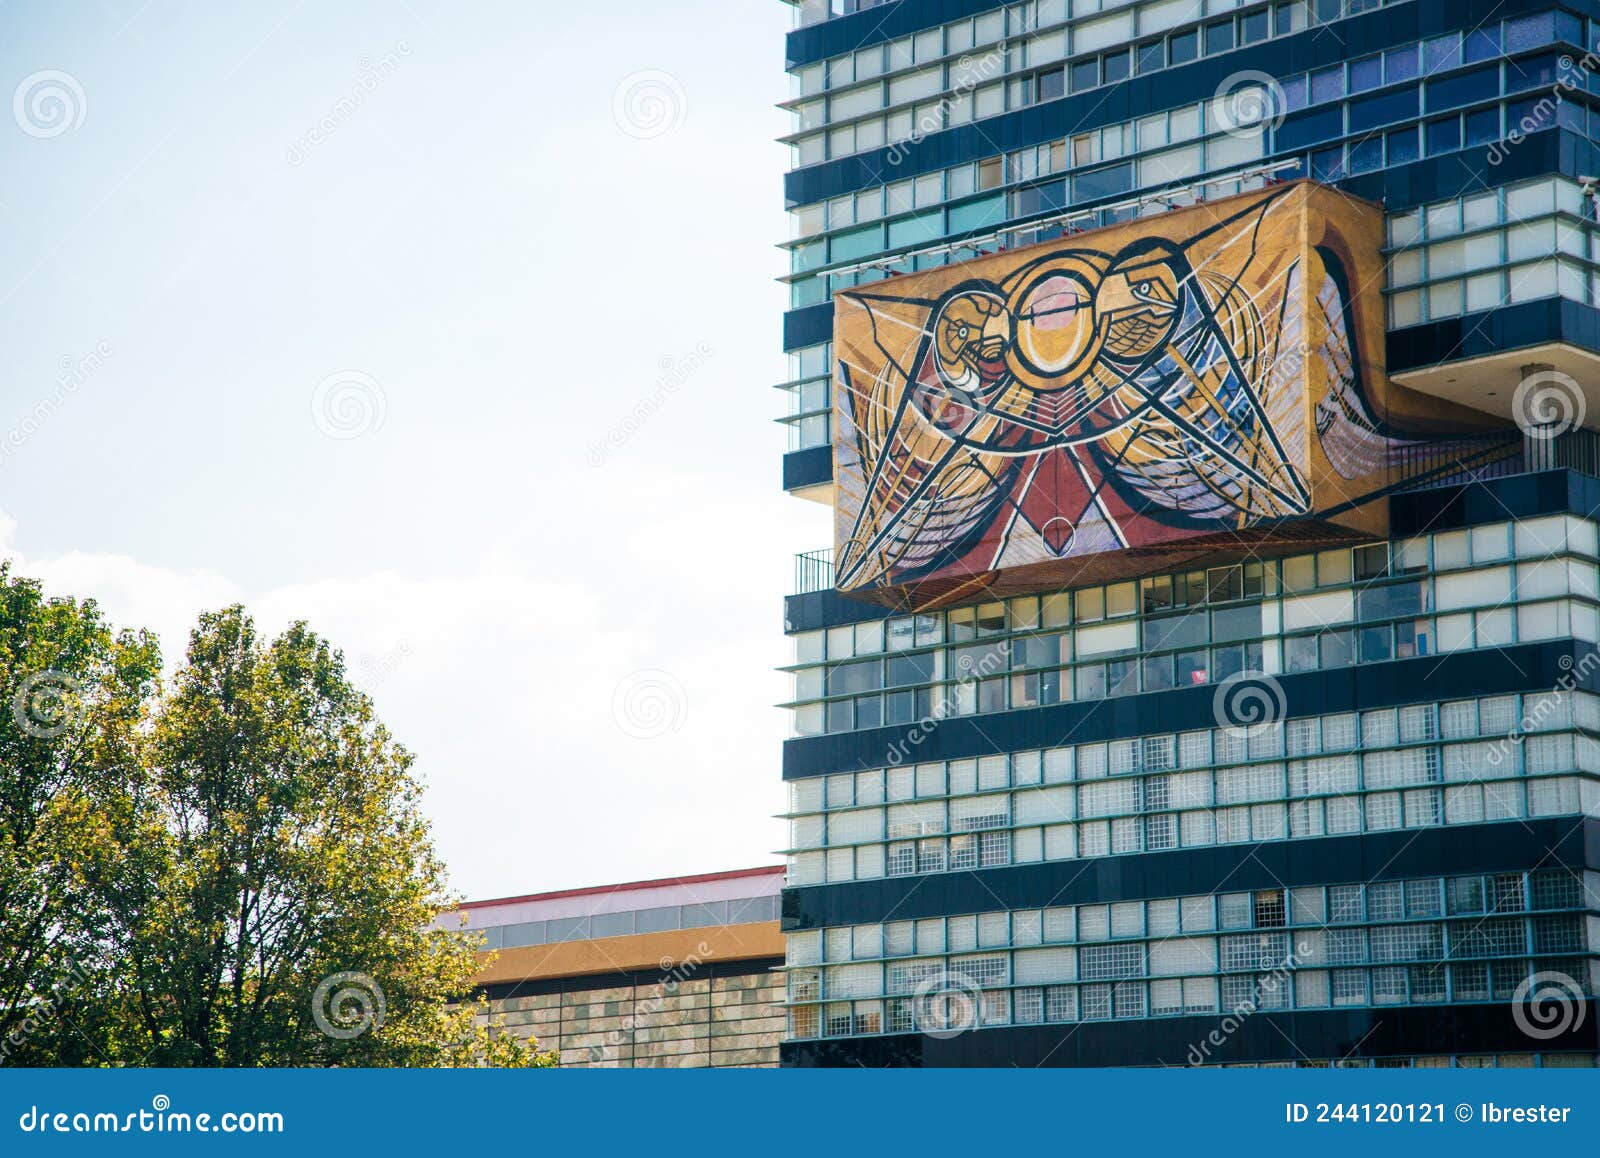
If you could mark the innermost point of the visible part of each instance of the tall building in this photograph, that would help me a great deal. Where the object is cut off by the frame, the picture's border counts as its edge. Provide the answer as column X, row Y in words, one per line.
column 665, row 973
column 1203, row 671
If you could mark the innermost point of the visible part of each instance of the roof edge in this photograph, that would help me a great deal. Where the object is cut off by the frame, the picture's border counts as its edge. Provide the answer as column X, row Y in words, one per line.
column 593, row 890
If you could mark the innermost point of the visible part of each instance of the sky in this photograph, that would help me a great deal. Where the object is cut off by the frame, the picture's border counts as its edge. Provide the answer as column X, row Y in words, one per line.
column 450, row 328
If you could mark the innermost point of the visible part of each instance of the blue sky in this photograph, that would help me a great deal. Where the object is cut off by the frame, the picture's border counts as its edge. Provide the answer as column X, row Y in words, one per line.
column 492, row 263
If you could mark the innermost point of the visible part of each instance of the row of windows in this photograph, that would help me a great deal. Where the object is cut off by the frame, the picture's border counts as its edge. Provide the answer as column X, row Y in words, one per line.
column 1316, row 575
column 1294, row 92
column 1430, row 940
column 1108, row 51
column 1460, row 245
column 1484, row 938
column 657, row 920
column 1314, row 906
column 1385, row 738
column 962, row 92
column 1291, row 93
column 1180, row 172
column 1048, row 644
column 1034, row 839
column 950, row 1006
column 978, row 688
column 989, row 30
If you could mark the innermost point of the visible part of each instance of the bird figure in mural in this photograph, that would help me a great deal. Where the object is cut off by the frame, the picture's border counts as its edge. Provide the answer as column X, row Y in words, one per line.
column 1159, row 372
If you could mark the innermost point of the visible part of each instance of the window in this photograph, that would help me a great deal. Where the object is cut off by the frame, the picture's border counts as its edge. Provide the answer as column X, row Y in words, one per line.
column 1269, row 909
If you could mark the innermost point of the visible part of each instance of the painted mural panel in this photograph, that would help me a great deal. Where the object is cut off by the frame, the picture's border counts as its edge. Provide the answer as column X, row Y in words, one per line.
column 1124, row 398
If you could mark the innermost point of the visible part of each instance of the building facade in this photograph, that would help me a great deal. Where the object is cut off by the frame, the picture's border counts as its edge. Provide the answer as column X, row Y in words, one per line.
column 667, row 973
column 1204, row 671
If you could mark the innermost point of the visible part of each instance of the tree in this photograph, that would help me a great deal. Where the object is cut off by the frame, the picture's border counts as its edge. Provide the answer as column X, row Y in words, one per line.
column 261, row 883
column 72, row 694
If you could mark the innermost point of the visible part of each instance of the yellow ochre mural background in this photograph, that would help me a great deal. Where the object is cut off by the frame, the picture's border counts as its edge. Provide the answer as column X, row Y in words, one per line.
column 1162, row 389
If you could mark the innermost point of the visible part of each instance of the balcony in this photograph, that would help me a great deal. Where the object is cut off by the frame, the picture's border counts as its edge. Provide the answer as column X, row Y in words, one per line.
column 813, row 571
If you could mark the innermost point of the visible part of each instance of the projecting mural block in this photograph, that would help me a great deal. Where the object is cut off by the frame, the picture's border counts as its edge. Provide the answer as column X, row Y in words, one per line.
column 1188, row 384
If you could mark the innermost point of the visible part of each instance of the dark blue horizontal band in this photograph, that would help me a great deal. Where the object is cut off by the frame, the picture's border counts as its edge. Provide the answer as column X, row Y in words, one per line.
column 808, row 468
column 586, row 982
column 1523, row 496
column 1525, row 667
column 803, row 468
column 1496, row 331
column 807, row 326
column 1391, row 1031
column 1139, row 96
column 876, row 25
column 1501, row 846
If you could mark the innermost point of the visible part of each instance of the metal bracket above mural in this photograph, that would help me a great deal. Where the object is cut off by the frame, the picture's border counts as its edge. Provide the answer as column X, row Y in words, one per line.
column 1201, row 384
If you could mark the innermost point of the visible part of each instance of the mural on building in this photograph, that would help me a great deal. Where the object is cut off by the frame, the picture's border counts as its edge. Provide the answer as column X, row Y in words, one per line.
column 1177, row 383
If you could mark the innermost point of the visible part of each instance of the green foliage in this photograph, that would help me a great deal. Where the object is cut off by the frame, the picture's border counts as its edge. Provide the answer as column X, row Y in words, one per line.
column 239, row 859
column 72, row 695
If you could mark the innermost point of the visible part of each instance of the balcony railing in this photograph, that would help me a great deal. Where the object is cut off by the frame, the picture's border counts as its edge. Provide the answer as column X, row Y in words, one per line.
column 1499, row 456
column 813, row 571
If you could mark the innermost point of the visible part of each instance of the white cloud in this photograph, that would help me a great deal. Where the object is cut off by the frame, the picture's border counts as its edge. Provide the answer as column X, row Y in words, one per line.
column 504, row 683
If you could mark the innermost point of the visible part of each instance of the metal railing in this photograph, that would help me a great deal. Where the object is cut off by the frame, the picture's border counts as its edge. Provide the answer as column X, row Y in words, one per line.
column 813, row 571
column 1499, row 455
